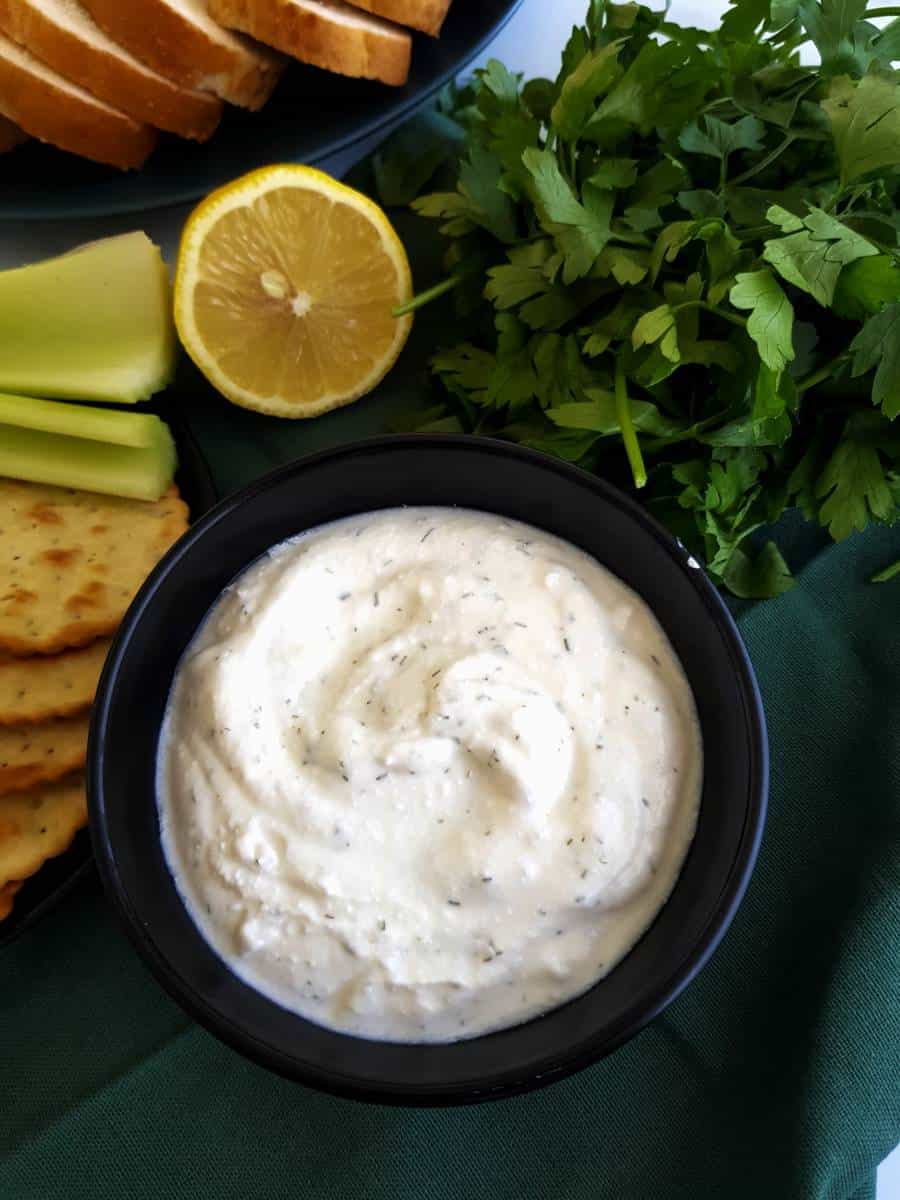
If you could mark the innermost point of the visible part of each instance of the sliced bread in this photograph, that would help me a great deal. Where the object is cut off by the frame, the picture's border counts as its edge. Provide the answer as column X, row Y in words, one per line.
column 426, row 15
column 180, row 39
column 10, row 135
column 62, row 34
column 54, row 110
column 324, row 33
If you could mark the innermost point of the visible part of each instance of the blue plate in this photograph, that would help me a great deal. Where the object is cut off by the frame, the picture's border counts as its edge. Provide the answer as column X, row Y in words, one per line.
column 312, row 117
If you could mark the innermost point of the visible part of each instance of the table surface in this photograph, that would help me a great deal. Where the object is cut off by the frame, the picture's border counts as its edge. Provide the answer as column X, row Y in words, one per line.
column 523, row 47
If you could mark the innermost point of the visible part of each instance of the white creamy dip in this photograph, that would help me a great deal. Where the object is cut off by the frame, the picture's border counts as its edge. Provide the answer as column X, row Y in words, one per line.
column 426, row 773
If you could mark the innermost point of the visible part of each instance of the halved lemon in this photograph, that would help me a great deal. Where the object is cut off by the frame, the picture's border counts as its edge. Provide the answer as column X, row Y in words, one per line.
column 284, row 291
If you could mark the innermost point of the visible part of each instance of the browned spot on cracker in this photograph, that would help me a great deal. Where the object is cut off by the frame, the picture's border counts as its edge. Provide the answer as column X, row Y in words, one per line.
column 18, row 595
column 89, row 597
column 46, row 514
column 62, row 558
column 51, row 594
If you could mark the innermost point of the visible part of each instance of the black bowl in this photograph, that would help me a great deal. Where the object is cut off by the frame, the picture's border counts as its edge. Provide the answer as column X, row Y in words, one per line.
column 383, row 473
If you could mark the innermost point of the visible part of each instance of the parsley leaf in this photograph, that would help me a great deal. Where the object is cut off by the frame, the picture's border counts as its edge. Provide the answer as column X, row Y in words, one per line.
column 865, row 286
column 678, row 264
column 865, row 122
column 409, row 159
column 478, row 200
column 771, row 321
column 637, row 97
column 891, row 572
column 522, row 277
column 853, row 487
column 479, row 182
column 513, row 381
column 719, row 139
column 466, row 369
column 816, row 249
column 581, row 230
column 591, row 79
column 886, row 45
column 830, row 25
column 758, row 577
column 878, row 345
column 624, row 264
column 658, row 325
column 615, row 173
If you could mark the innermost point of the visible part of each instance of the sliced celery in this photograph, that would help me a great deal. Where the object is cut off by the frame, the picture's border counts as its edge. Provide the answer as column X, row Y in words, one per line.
column 93, row 324
column 80, row 420
column 140, row 472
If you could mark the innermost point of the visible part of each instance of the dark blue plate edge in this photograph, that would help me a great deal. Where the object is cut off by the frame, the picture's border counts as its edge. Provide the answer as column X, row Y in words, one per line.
column 171, row 198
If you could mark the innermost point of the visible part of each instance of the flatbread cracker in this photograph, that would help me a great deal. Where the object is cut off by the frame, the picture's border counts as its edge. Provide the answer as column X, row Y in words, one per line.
column 35, row 826
column 46, row 686
column 7, row 895
column 36, row 754
column 71, row 561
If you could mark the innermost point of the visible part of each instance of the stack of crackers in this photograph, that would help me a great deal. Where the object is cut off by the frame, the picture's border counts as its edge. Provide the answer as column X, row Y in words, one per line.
column 70, row 563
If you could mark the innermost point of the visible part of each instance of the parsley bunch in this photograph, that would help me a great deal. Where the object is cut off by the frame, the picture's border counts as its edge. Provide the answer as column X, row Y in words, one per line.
column 677, row 264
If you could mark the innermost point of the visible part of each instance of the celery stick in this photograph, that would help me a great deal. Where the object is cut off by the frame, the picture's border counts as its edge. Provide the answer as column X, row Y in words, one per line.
column 139, row 472
column 94, row 324
column 80, row 420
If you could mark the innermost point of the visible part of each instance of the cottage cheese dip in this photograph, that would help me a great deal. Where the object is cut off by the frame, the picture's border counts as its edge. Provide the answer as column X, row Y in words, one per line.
column 426, row 773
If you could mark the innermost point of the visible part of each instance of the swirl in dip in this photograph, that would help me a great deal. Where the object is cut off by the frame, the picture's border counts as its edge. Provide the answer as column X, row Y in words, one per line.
column 426, row 773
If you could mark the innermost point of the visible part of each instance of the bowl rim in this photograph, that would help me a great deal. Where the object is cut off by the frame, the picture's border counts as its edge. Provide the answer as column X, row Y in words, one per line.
column 510, row 1082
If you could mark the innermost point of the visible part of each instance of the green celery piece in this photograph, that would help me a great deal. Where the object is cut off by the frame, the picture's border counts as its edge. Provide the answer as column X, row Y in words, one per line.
column 80, row 421
column 138, row 472
column 93, row 324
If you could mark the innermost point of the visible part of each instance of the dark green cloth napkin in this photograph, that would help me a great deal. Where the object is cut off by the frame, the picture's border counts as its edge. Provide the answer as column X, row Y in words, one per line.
column 776, row 1075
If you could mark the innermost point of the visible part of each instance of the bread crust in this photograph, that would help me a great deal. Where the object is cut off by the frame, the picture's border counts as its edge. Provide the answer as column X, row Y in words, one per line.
column 174, row 46
column 75, row 122
column 10, row 135
column 425, row 15
column 308, row 34
column 135, row 89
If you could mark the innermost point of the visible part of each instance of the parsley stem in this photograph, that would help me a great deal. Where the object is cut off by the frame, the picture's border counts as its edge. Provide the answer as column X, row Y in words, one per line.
column 882, row 12
column 764, row 162
column 629, row 437
column 719, row 312
column 691, row 433
column 619, row 236
column 757, row 231
column 423, row 298
column 820, row 373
